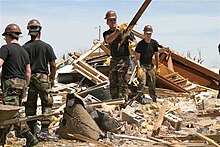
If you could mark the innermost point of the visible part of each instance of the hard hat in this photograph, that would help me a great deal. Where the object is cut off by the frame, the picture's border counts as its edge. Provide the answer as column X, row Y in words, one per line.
column 12, row 29
column 148, row 28
column 110, row 15
column 34, row 27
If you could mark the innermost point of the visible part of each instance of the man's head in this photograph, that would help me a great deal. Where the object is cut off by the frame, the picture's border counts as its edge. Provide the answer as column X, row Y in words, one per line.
column 111, row 17
column 12, row 30
column 34, row 27
column 148, row 30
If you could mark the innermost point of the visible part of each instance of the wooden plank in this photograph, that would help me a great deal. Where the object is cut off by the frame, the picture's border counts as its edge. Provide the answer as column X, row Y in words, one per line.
column 181, row 81
column 207, row 139
column 134, row 20
column 169, row 84
column 171, row 75
column 108, row 102
column 190, row 137
column 90, row 72
column 196, row 66
column 91, row 50
column 103, row 47
column 214, row 114
column 159, row 121
column 87, row 139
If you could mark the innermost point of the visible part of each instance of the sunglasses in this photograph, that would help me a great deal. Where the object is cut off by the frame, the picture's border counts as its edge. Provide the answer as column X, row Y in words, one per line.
column 114, row 19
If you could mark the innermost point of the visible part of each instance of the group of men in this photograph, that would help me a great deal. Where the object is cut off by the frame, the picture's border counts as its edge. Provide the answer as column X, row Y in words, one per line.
column 120, row 61
column 27, row 66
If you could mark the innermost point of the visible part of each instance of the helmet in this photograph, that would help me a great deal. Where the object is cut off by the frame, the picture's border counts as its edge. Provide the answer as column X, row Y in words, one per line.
column 34, row 27
column 12, row 29
column 110, row 14
column 33, row 22
column 148, row 28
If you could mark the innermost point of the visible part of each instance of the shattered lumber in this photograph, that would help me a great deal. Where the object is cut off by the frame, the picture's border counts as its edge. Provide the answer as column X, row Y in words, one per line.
column 87, row 70
column 113, row 135
column 207, row 139
column 214, row 114
column 159, row 121
column 190, row 137
column 87, row 139
column 108, row 102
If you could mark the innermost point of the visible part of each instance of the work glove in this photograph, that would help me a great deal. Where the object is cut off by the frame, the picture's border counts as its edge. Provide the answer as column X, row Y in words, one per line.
column 132, row 45
column 157, row 70
column 52, row 82
column 139, row 72
column 108, row 60
column 122, row 27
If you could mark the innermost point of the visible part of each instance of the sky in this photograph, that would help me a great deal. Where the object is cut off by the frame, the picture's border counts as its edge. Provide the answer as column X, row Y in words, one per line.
column 71, row 25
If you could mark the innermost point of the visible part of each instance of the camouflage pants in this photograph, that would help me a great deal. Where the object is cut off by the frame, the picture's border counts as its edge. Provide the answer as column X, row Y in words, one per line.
column 13, row 93
column 39, row 84
column 118, row 76
column 148, row 76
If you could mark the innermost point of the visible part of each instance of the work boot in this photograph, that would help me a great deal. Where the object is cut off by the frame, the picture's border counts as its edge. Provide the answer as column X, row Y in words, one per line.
column 44, row 135
column 141, row 99
column 154, row 99
column 31, row 140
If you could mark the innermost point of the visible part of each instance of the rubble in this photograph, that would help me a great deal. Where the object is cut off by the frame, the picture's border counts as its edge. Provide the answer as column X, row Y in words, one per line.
column 187, row 112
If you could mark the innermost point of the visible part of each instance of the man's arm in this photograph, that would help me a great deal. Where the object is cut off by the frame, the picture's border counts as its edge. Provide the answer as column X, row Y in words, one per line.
column 28, row 74
column 52, row 69
column 110, row 38
column 1, row 62
column 138, row 60
column 156, row 54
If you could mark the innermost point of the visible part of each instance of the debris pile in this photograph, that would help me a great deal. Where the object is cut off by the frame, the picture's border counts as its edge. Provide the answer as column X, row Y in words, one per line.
column 186, row 113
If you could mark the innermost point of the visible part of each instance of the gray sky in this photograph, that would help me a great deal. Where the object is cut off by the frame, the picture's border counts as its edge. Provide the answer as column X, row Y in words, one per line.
column 71, row 25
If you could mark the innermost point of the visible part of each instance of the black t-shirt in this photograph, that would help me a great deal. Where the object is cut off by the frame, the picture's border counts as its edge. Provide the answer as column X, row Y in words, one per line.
column 123, row 51
column 40, row 54
column 147, row 51
column 15, row 61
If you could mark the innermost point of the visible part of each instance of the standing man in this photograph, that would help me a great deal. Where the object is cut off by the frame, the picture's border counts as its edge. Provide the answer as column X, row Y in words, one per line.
column 41, row 54
column 145, row 50
column 120, row 61
column 16, row 73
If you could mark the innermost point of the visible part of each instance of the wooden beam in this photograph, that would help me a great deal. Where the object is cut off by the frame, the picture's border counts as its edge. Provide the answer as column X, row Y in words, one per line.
column 207, row 139
column 159, row 121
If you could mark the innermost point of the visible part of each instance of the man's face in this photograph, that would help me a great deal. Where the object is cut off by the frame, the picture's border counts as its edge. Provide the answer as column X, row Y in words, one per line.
column 112, row 22
column 147, row 34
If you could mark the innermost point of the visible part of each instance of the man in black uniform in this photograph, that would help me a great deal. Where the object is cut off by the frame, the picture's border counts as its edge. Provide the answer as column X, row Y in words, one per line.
column 41, row 54
column 120, row 61
column 16, row 73
column 145, row 50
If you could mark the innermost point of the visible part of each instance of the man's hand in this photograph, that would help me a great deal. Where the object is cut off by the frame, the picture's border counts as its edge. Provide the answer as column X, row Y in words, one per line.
column 157, row 71
column 52, row 82
column 122, row 27
column 139, row 72
column 132, row 44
